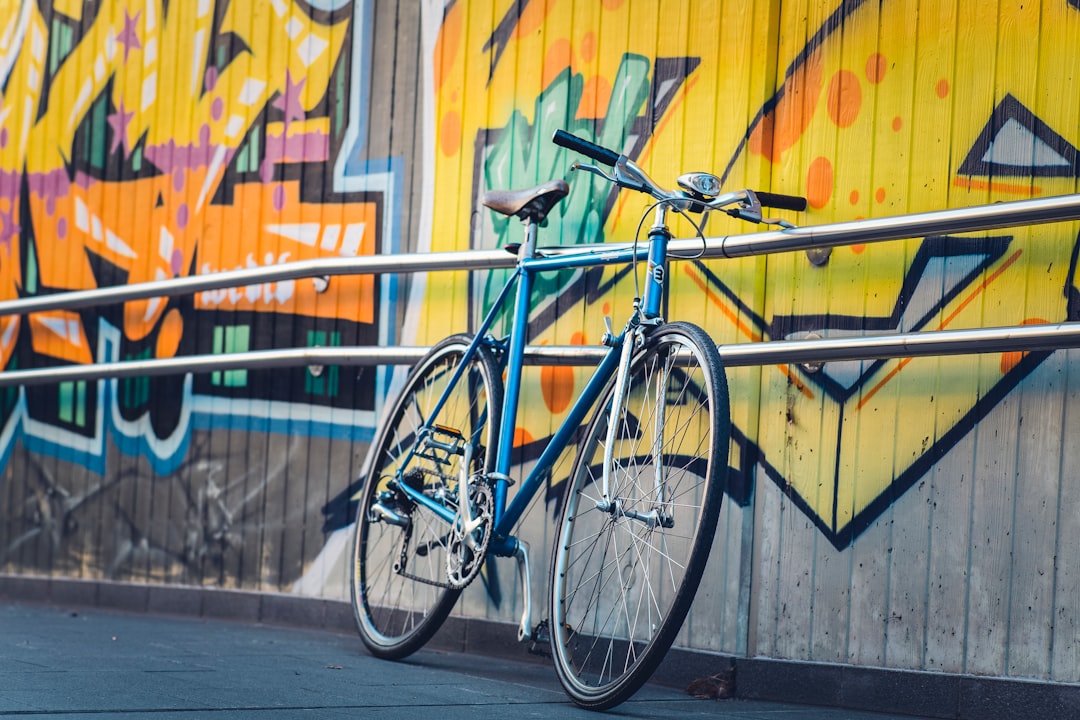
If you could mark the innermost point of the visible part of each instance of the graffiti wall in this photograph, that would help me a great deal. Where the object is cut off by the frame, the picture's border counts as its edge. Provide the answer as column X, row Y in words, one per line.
column 909, row 513
column 147, row 140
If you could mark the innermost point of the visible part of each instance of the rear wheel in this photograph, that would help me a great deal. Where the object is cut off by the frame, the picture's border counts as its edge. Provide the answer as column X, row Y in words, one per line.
column 400, row 593
column 625, row 567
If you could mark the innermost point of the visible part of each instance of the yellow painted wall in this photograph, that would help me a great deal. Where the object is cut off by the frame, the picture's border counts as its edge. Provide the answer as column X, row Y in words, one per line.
column 869, row 110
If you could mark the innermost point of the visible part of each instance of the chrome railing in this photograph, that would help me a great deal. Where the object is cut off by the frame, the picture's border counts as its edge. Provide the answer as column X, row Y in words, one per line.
column 1026, row 338
column 869, row 347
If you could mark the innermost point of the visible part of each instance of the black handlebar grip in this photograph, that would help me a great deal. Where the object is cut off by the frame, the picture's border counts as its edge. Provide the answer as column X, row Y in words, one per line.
column 590, row 150
column 781, row 202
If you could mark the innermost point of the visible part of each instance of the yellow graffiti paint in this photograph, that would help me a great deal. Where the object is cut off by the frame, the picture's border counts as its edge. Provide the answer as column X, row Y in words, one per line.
column 868, row 110
column 885, row 126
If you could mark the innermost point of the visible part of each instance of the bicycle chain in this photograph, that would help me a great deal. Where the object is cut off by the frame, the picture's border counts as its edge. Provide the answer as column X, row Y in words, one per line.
column 403, row 555
column 426, row 581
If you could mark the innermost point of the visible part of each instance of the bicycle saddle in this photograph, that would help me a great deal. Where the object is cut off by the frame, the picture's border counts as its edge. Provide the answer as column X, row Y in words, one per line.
column 531, row 203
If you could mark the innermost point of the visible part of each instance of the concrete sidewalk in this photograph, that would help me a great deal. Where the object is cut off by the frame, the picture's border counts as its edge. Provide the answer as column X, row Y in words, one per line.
column 73, row 663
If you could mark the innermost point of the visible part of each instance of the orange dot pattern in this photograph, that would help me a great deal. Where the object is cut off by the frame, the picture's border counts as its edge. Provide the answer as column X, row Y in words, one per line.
column 819, row 183
column 845, row 98
column 875, row 68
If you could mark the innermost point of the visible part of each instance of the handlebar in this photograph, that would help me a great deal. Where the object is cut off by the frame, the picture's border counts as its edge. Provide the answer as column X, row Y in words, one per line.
column 699, row 189
column 590, row 150
column 781, row 202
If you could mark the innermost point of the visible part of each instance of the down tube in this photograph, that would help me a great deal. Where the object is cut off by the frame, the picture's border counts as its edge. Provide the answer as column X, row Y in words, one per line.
column 558, row 442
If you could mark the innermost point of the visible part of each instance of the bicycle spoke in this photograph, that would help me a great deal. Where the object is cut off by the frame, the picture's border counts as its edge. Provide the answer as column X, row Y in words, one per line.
column 624, row 576
column 400, row 595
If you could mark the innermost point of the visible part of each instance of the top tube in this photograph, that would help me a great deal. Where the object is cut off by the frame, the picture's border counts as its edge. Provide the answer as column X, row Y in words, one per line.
column 562, row 260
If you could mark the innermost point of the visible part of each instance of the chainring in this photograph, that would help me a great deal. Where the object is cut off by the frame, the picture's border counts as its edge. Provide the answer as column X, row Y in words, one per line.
column 465, row 552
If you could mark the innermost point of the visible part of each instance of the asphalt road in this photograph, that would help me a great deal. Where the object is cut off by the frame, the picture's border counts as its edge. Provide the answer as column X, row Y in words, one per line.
column 58, row 664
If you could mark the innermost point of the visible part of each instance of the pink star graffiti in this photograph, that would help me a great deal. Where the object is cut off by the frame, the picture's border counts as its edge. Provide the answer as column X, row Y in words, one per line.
column 119, row 122
column 289, row 101
column 129, row 36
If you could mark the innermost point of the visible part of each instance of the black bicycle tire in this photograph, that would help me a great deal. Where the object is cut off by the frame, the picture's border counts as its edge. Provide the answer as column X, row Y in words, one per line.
column 609, row 694
column 379, row 644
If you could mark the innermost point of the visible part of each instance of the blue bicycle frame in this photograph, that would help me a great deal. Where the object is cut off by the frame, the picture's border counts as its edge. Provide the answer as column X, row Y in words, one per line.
column 528, row 265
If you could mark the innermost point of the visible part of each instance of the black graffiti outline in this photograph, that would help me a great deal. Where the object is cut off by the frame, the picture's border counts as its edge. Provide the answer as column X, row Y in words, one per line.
column 1012, row 109
column 933, row 247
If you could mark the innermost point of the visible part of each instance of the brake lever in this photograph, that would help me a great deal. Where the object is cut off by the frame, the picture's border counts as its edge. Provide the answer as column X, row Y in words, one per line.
column 750, row 211
column 625, row 174
column 592, row 169
column 755, row 217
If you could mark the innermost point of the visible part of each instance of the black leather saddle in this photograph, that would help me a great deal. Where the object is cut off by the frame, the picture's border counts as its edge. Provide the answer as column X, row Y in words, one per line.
column 529, row 204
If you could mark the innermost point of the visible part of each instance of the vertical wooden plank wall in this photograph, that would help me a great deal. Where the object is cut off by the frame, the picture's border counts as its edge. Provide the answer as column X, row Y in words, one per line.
column 908, row 513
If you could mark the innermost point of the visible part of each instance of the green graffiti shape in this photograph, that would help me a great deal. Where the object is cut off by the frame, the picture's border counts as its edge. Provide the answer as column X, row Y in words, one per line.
column 524, row 155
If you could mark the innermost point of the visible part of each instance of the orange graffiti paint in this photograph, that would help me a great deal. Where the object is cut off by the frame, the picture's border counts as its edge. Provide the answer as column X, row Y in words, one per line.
column 845, row 98
column 532, row 18
column 59, row 334
column 780, row 130
column 994, row 186
column 297, row 230
column 522, row 437
column 1010, row 360
column 172, row 330
column 875, row 68
column 819, row 183
column 559, row 57
column 450, row 134
column 446, row 47
column 557, row 387
column 557, row 383
column 587, row 48
column 595, row 97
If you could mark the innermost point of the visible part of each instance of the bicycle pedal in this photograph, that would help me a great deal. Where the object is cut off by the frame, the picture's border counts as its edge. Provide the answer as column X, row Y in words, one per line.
column 441, row 439
column 541, row 640
column 445, row 430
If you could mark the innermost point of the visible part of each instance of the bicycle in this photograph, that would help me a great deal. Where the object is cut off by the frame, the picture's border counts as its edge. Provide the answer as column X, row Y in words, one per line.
column 641, row 503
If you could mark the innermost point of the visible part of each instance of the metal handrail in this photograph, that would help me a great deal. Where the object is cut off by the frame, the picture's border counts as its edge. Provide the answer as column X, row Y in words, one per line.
column 881, row 346
column 1027, row 338
column 972, row 219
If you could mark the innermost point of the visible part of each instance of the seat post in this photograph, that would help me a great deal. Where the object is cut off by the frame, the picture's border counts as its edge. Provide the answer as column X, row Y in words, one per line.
column 528, row 245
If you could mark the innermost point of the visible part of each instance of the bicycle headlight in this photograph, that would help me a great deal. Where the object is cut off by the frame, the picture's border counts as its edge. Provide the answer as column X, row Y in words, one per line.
column 700, row 183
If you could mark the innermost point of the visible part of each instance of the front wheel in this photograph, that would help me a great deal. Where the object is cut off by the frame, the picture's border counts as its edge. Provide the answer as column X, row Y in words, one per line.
column 625, row 566
column 400, row 589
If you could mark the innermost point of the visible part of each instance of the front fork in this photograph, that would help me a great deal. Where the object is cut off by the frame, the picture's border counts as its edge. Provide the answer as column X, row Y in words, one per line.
column 610, row 500
column 631, row 337
column 646, row 317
